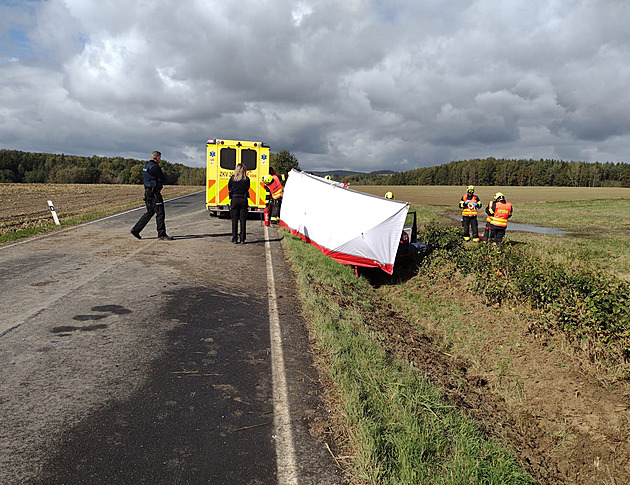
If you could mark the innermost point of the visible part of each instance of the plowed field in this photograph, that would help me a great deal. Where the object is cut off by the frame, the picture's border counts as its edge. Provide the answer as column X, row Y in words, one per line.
column 26, row 205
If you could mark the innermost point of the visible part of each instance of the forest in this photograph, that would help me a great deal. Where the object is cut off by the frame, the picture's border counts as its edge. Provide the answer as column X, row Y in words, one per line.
column 504, row 172
column 26, row 167
column 18, row 166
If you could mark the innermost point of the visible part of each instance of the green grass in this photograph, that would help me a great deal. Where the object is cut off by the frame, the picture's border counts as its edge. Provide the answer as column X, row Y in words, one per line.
column 598, row 229
column 399, row 427
column 598, row 239
column 48, row 227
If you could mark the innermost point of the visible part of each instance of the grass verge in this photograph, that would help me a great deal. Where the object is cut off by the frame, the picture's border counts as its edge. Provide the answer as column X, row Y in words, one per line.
column 399, row 428
column 47, row 227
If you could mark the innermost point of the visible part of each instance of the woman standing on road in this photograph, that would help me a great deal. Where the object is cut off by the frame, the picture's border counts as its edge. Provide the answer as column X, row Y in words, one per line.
column 238, row 188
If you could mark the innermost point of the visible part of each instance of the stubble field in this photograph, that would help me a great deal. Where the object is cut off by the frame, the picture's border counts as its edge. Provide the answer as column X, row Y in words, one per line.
column 24, row 206
column 449, row 195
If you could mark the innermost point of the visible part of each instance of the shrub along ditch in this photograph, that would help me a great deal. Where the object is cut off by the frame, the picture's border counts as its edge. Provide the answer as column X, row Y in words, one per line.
column 399, row 428
column 587, row 306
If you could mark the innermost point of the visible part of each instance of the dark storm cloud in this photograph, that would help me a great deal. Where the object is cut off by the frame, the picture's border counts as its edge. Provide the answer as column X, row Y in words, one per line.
column 358, row 84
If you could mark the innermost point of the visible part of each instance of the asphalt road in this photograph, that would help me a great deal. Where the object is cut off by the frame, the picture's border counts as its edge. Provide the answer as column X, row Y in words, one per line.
column 126, row 361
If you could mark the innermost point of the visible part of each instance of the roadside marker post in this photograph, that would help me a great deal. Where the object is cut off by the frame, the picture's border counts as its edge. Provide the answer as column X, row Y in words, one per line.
column 54, row 213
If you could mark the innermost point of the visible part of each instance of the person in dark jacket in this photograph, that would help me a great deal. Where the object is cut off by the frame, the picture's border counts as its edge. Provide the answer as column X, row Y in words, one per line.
column 238, row 188
column 153, row 180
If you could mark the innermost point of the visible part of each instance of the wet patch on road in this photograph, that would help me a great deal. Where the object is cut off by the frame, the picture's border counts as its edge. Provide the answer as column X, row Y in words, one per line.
column 66, row 329
column 205, row 413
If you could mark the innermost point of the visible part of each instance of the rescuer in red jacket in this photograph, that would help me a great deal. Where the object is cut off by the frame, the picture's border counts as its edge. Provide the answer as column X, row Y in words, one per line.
column 499, row 211
column 469, row 204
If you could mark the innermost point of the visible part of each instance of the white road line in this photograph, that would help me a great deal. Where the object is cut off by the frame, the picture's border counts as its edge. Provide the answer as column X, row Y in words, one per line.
column 285, row 452
column 72, row 228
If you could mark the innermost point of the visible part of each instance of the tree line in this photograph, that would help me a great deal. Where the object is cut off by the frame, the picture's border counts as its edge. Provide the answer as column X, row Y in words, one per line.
column 25, row 167
column 493, row 171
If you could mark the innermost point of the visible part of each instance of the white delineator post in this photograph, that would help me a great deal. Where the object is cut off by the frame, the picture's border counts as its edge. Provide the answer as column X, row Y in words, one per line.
column 54, row 213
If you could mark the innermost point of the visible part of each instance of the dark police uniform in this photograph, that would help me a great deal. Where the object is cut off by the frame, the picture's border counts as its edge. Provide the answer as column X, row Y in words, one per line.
column 152, row 178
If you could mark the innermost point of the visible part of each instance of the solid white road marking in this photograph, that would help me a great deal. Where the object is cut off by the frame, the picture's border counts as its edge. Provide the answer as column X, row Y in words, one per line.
column 285, row 452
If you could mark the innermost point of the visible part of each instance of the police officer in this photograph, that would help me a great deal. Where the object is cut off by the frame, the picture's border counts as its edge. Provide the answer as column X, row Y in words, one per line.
column 153, row 180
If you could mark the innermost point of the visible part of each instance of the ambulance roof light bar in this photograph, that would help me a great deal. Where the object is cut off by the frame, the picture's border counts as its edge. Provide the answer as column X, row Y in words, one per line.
column 214, row 141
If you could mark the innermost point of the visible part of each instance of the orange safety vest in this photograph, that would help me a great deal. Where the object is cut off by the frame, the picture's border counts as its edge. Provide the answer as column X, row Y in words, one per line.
column 466, row 210
column 502, row 211
column 275, row 187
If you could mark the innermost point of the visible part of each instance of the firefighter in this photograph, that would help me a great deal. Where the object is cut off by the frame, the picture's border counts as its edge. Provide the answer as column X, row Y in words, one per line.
column 468, row 204
column 499, row 211
column 488, row 229
column 274, row 186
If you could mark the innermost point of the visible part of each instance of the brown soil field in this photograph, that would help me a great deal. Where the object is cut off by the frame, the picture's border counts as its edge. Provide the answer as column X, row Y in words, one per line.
column 534, row 393
column 446, row 194
column 26, row 205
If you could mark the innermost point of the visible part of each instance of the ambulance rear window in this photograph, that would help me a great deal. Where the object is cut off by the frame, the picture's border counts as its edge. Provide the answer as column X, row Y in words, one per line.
column 228, row 158
column 248, row 157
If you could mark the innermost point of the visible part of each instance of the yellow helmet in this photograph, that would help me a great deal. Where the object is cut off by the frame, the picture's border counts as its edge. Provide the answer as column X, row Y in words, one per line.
column 267, row 179
column 327, row 177
column 471, row 188
column 498, row 196
column 389, row 195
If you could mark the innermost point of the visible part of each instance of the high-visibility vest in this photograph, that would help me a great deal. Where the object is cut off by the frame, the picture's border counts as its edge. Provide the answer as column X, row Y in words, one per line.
column 466, row 210
column 275, row 187
column 502, row 211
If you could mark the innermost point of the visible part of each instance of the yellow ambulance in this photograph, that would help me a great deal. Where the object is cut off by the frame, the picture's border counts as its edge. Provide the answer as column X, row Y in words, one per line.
column 222, row 158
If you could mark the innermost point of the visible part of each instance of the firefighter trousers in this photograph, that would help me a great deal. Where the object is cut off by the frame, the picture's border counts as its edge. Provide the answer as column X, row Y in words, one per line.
column 470, row 224
column 497, row 233
column 275, row 209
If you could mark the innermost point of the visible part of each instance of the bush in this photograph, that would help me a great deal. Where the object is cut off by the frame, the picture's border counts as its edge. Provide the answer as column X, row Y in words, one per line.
column 580, row 303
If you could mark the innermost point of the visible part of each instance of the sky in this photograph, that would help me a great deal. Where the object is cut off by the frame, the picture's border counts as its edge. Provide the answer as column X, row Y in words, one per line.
column 358, row 85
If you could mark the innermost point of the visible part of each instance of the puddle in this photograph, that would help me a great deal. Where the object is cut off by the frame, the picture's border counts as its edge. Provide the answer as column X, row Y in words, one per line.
column 515, row 226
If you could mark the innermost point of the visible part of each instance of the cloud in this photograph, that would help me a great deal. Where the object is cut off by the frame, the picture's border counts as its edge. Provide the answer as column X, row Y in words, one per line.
column 359, row 84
